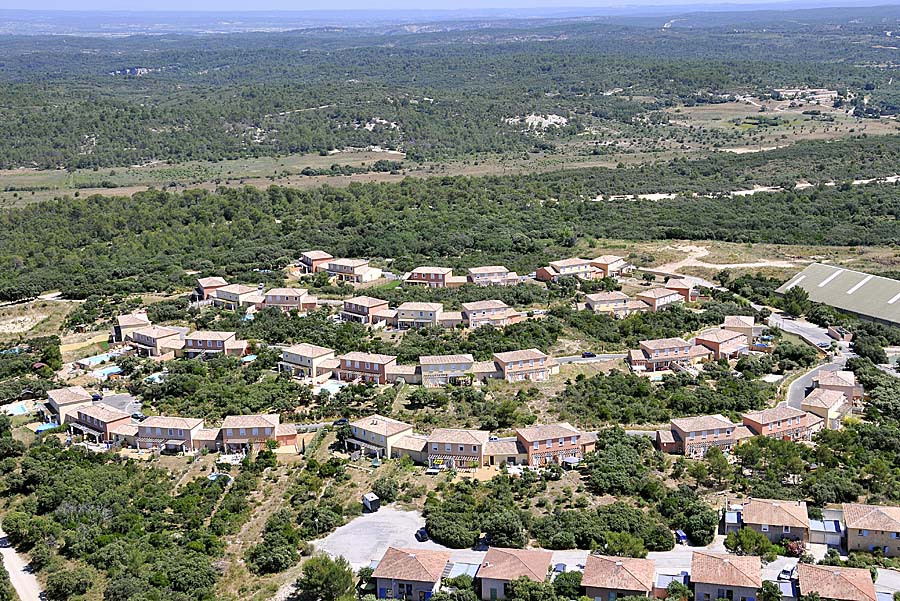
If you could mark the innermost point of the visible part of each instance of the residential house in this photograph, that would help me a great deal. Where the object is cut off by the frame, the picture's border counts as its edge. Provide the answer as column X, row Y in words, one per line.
column 489, row 313
column 492, row 275
column 505, row 450
column 502, row 566
column 363, row 309
column 783, row 422
column 872, row 528
column 550, row 443
column 97, row 421
column 835, row 582
column 235, row 296
column 614, row 303
column 308, row 361
column 313, row 261
column 414, row 446
column 419, row 315
column 742, row 324
column 659, row 298
column 209, row 439
column 683, row 287
column 168, row 433
column 724, row 344
column 157, row 341
column 830, row 405
column 610, row 578
column 205, row 343
column 526, row 365
column 378, row 433
column 841, row 381
column 433, row 277
column 777, row 519
column 355, row 271
column 612, row 266
column 206, row 287
column 719, row 576
column 580, row 268
column 693, row 436
column 63, row 401
column 246, row 432
column 124, row 435
column 457, row 449
column 636, row 306
column 410, row 374
column 366, row 367
column 443, row 370
column 290, row 299
column 660, row 354
column 409, row 574
column 126, row 324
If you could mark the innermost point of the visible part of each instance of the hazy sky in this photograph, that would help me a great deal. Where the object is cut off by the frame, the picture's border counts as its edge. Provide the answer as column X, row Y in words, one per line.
column 244, row 5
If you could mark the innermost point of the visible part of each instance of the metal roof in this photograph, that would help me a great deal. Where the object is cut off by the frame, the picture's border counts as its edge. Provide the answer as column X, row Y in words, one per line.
column 856, row 292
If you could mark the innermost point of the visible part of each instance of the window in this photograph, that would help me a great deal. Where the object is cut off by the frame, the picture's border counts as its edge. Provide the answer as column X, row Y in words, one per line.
column 549, row 444
column 474, row 448
column 243, row 431
column 863, row 533
column 562, row 441
column 462, row 449
column 255, row 431
column 536, row 445
column 447, row 447
column 434, row 447
column 765, row 527
column 786, row 529
column 574, row 439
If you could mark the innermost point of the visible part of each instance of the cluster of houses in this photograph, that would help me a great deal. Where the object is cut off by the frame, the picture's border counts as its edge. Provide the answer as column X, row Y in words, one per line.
column 606, row 266
column 416, row 574
column 447, row 448
column 409, row 315
column 618, row 304
column 168, row 342
column 89, row 416
column 824, row 407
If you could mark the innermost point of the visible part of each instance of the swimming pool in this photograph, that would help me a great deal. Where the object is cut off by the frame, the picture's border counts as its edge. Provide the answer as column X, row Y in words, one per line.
column 97, row 359
column 107, row 371
column 47, row 426
column 332, row 386
column 16, row 409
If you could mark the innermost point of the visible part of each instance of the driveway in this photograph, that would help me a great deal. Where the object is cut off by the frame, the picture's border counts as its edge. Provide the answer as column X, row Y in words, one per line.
column 797, row 389
column 799, row 327
column 598, row 359
column 20, row 575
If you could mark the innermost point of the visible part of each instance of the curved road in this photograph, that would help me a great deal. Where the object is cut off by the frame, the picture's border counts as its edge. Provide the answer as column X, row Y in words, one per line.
column 20, row 574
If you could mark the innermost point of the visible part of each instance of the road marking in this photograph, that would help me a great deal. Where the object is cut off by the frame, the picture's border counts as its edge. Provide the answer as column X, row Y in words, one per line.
column 831, row 277
column 861, row 284
column 895, row 299
column 795, row 282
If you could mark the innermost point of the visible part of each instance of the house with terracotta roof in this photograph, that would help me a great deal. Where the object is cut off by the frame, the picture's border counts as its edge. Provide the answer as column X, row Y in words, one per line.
column 354, row 271
column 502, row 566
column 575, row 267
column 290, row 299
column 414, row 446
column 529, row 365
column 873, row 528
column 97, row 421
column 719, row 576
column 126, row 324
column 378, row 434
column 492, row 275
column 235, row 296
column 661, row 354
column 782, row 422
column 836, row 582
column 62, row 401
column 168, row 433
column 365, row 367
column 411, row 315
column 313, row 261
column 206, row 287
column 308, row 362
column 444, row 370
column 659, row 298
column 508, row 450
column 363, row 309
column 206, row 343
column 612, row 266
column 742, row 324
column 409, row 574
column 724, row 344
column 694, row 436
column 450, row 448
column 489, row 313
column 841, row 381
column 157, row 341
column 610, row 578
column 246, row 432
column 683, row 287
column 433, row 277
column 550, row 443
column 613, row 303
column 776, row 519
column 832, row 406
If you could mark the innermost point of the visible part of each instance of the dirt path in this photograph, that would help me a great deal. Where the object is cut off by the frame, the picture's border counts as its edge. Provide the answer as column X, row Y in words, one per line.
column 23, row 580
column 696, row 253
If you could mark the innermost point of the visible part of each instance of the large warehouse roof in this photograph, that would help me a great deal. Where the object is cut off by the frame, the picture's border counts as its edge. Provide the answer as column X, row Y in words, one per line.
column 863, row 294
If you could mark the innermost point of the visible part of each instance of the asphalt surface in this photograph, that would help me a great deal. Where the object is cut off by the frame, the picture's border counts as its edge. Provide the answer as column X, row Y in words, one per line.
column 799, row 388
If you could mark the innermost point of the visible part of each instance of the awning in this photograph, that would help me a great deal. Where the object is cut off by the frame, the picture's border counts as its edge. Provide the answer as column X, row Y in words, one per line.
column 175, row 443
column 87, row 429
column 364, row 444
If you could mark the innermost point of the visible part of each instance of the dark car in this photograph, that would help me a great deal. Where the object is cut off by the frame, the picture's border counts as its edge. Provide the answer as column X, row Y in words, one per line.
column 421, row 535
column 138, row 416
column 341, row 422
column 588, row 355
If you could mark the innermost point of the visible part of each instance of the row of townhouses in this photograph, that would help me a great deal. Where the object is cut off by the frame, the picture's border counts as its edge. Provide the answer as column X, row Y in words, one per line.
column 415, row 575
column 168, row 342
column 618, row 304
column 410, row 315
column 606, row 266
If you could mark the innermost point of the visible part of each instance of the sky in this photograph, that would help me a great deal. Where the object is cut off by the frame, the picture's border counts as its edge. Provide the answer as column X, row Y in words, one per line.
column 244, row 5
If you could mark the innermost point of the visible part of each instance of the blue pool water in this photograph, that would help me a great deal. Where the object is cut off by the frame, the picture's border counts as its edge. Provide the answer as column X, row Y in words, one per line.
column 47, row 426
column 98, row 359
column 108, row 371
column 17, row 409
column 332, row 386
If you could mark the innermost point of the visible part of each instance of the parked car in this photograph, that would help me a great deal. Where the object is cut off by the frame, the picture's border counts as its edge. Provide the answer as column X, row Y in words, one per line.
column 786, row 574
column 825, row 345
column 421, row 535
column 588, row 355
column 340, row 422
column 138, row 416
column 432, row 471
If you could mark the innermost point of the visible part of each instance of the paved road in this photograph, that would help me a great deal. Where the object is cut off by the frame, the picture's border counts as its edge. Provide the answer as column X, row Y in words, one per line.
column 797, row 390
column 597, row 359
column 20, row 575
column 808, row 331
